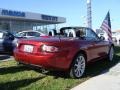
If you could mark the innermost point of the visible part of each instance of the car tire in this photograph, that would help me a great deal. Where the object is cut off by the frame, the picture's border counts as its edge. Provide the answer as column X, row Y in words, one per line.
column 111, row 54
column 78, row 66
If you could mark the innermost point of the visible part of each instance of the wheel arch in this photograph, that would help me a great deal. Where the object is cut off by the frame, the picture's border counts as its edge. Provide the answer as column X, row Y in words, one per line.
column 80, row 51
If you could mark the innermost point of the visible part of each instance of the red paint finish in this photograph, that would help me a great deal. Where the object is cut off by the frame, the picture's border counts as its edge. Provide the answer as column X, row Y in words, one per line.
column 67, row 50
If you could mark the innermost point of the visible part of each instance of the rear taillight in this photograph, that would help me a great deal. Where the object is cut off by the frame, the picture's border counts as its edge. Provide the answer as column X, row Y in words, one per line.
column 47, row 48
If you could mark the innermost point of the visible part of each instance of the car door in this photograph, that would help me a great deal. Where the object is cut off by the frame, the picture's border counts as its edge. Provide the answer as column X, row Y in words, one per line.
column 98, row 47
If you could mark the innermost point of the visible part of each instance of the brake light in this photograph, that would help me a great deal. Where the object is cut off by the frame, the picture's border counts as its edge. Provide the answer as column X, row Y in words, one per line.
column 47, row 48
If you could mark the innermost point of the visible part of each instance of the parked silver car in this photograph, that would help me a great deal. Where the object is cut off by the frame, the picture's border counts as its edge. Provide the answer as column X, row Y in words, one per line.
column 29, row 34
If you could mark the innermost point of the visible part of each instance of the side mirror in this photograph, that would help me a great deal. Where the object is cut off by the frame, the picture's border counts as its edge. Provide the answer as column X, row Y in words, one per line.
column 102, row 38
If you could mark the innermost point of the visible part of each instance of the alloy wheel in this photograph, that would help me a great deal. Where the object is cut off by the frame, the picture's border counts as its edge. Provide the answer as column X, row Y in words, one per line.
column 78, row 67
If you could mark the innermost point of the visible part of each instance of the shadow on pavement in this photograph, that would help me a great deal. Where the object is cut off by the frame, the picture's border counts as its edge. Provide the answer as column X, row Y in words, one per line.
column 15, row 85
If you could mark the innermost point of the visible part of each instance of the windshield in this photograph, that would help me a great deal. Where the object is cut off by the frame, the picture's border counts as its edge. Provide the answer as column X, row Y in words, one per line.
column 78, row 32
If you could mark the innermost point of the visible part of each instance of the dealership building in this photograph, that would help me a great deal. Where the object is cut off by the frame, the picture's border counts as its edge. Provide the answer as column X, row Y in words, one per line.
column 16, row 21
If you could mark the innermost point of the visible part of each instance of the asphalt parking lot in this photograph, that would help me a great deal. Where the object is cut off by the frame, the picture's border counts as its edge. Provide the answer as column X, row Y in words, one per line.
column 5, row 57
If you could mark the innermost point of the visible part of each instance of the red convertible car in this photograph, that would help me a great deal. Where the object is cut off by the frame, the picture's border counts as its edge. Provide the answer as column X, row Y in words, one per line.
column 71, row 50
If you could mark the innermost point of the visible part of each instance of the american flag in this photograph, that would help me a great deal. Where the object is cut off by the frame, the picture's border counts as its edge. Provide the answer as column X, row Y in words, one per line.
column 106, row 26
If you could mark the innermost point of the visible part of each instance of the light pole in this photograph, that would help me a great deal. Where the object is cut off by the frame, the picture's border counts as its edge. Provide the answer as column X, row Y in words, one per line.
column 89, row 12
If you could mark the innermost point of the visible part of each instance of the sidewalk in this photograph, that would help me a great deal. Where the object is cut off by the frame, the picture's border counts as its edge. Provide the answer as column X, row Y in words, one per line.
column 107, row 81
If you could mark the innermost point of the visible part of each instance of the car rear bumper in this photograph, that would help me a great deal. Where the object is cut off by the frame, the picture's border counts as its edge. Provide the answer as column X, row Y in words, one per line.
column 47, row 61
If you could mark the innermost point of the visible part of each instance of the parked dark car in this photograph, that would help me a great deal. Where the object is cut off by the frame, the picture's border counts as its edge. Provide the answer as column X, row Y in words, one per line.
column 70, row 51
column 7, row 41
